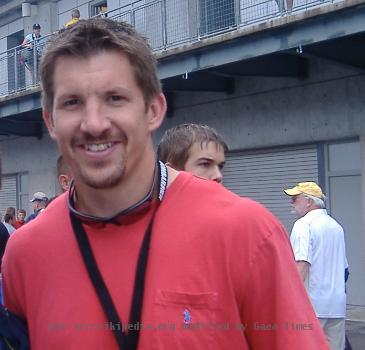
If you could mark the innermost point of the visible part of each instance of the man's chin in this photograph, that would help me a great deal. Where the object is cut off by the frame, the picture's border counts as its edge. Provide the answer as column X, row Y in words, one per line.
column 294, row 212
column 103, row 181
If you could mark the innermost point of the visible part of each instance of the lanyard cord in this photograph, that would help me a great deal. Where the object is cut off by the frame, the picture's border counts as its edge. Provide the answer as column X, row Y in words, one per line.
column 125, row 341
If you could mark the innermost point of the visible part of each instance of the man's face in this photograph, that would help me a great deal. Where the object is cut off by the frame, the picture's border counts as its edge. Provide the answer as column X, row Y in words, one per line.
column 206, row 160
column 21, row 216
column 36, row 205
column 300, row 205
column 99, row 118
column 37, row 32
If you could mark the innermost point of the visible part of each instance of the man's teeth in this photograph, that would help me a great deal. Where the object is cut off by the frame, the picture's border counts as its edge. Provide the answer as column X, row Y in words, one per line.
column 98, row 147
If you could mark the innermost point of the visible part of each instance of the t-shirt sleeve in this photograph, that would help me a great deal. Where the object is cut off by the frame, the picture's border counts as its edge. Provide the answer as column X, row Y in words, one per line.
column 300, row 240
column 276, row 310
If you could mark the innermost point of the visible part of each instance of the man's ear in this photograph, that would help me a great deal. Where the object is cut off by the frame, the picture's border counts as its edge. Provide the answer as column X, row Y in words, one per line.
column 64, row 182
column 156, row 111
column 48, row 120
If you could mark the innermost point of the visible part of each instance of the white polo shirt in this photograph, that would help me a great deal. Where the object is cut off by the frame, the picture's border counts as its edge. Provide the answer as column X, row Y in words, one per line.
column 319, row 240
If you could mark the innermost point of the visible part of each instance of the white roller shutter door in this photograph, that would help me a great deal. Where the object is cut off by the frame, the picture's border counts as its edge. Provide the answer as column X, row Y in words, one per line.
column 262, row 175
column 7, row 194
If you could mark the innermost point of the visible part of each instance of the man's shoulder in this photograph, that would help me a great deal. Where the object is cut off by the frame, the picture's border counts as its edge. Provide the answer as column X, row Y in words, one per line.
column 71, row 22
column 319, row 217
column 212, row 202
column 198, row 190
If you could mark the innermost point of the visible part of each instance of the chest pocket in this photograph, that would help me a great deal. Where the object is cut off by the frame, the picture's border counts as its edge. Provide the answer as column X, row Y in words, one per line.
column 185, row 320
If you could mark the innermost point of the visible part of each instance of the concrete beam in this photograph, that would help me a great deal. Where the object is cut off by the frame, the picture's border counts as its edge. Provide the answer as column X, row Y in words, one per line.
column 24, row 103
column 20, row 128
column 200, row 81
column 280, row 65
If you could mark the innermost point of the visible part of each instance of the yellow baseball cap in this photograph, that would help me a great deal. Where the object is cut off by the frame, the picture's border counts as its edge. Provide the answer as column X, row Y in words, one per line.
column 310, row 188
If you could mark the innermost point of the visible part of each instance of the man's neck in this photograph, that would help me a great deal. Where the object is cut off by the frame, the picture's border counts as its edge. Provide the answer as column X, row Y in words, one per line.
column 107, row 202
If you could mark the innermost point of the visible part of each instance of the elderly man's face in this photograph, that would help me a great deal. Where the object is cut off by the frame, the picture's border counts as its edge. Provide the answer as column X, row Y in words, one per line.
column 300, row 205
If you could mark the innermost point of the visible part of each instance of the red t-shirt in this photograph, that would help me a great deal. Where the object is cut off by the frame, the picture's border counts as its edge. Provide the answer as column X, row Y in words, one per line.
column 18, row 224
column 220, row 275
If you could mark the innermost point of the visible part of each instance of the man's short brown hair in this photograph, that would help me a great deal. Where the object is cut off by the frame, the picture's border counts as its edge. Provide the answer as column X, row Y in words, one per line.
column 8, row 217
column 11, row 211
column 176, row 142
column 92, row 36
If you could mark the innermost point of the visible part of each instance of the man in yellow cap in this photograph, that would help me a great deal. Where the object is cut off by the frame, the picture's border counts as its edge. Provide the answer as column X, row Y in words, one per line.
column 319, row 249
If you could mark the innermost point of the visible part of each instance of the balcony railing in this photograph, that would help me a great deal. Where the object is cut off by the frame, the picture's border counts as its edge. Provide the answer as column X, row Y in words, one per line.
column 166, row 23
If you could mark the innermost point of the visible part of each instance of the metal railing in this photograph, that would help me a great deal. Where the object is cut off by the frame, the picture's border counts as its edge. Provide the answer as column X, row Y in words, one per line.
column 166, row 23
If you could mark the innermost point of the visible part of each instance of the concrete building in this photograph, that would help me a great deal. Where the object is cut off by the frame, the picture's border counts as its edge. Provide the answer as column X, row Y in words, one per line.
column 285, row 87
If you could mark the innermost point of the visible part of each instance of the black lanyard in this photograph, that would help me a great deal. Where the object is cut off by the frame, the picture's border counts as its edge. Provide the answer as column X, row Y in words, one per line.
column 125, row 341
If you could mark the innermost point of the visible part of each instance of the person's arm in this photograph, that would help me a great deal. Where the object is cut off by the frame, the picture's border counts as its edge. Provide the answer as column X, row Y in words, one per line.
column 303, row 268
column 26, row 43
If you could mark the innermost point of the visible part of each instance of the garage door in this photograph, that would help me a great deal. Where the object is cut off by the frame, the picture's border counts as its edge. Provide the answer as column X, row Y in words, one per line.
column 262, row 175
column 7, row 194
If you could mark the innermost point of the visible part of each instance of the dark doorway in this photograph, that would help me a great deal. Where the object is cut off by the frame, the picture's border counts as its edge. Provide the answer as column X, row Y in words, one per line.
column 16, row 69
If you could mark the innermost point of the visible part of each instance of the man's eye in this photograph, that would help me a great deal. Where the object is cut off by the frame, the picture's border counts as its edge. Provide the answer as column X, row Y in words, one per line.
column 204, row 164
column 71, row 102
column 115, row 98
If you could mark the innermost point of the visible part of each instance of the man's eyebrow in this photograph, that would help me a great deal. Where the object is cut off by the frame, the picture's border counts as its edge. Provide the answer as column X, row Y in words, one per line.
column 117, row 89
column 206, row 158
column 66, row 95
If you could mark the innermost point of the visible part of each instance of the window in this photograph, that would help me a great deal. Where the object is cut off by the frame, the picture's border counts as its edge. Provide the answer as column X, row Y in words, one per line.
column 98, row 8
column 216, row 15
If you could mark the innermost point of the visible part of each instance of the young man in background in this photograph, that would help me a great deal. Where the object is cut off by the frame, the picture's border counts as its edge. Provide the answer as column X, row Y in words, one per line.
column 195, row 148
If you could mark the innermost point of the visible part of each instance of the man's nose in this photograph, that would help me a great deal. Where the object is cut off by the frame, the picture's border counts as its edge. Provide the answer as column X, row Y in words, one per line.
column 95, row 122
column 217, row 174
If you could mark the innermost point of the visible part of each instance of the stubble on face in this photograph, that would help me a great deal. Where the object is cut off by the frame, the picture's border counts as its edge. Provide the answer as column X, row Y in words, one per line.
column 103, row 174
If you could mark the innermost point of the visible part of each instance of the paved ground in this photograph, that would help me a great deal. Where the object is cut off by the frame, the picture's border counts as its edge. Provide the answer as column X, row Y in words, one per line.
column 355, row 327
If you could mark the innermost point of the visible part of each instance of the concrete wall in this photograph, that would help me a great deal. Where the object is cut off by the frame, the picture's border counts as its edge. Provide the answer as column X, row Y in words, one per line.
column 35, row 157
column 265, row 112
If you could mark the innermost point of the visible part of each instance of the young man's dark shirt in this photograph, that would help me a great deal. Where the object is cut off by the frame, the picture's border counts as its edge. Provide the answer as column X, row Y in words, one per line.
column 4, row 236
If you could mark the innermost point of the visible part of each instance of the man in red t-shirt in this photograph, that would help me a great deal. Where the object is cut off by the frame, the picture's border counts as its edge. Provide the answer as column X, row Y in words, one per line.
column 20, row 218
column 137, row 254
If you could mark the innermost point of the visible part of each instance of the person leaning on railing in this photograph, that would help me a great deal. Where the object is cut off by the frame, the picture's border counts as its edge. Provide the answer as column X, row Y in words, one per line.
column 30, row 42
